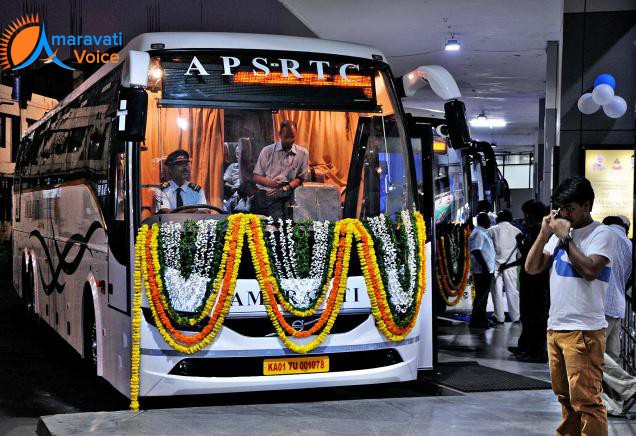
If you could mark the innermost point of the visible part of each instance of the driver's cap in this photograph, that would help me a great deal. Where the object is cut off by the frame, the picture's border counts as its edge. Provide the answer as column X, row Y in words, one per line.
column 177, row 156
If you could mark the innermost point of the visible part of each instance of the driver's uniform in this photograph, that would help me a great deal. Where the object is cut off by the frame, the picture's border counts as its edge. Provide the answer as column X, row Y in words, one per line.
column 166, row 198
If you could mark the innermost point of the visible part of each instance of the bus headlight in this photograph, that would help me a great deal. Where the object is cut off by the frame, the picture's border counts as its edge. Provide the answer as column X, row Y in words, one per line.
column 155, row 74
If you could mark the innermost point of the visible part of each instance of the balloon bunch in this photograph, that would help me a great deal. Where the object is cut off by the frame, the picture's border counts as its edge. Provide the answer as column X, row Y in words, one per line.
column 603, row 95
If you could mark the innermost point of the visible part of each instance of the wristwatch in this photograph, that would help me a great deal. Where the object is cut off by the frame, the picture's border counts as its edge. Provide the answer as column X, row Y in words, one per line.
column 565, row 242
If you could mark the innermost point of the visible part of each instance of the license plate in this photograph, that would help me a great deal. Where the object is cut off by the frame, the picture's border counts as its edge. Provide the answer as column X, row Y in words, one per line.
column 296, row 365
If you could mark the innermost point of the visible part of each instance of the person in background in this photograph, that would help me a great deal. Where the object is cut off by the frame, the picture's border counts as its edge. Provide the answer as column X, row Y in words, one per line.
column 482, row 262
column 486, row 206
column 619, row 387
column 534, row 294
column 615, row 295
column 281, row 168
column 179, row 191
column 504, row 237
column 232, row 174
column 579, row 253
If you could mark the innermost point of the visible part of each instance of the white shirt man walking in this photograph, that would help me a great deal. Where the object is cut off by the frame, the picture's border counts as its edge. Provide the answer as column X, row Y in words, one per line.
column 504, row 237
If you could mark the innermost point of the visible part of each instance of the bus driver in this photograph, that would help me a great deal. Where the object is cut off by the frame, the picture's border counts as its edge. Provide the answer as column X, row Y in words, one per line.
column 281, row 168
column 179, row 191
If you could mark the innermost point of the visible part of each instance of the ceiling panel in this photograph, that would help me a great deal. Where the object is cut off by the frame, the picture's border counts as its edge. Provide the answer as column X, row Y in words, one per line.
column 500, row 69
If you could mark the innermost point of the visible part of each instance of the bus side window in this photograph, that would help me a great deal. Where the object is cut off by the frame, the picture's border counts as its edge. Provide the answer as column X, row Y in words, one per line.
column 116, row 211
column 37, row 164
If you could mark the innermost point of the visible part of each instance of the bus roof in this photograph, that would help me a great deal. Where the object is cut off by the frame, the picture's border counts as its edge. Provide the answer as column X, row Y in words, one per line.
column 219, row 40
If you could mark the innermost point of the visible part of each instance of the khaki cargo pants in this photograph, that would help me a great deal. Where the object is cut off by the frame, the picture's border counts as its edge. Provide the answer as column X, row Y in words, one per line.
column 576, row 370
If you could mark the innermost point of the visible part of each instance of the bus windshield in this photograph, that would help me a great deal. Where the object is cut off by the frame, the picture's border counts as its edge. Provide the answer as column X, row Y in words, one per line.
column 349, row 147
column 449, row 179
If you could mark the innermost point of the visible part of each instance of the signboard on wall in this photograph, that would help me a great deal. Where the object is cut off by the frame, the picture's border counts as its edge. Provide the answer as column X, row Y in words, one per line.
column 611, row 173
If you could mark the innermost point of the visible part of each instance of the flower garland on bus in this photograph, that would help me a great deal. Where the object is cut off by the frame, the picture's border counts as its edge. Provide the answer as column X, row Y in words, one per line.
column 186, row 291
column 340, row 256
column 207, row 258
column 455, row 255
column 446, row 286
column 157, row 249
column 300, row 280
column 216, row 309
column 401, row 285
column 385, row 320
column 136, row 320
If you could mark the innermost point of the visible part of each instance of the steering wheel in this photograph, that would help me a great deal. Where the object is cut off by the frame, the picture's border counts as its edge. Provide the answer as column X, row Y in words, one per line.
column 197, row 206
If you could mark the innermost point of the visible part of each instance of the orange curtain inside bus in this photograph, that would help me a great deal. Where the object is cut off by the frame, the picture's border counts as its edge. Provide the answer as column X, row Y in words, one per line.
column 199, row 131
column 328, row 136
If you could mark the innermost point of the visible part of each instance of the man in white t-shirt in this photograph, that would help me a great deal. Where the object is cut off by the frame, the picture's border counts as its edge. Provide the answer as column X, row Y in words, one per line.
column 482, row 262
column 579, row 252
column 504, row 237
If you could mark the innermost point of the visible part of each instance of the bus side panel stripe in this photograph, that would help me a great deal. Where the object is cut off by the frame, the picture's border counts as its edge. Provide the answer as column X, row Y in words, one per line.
column 68, row 267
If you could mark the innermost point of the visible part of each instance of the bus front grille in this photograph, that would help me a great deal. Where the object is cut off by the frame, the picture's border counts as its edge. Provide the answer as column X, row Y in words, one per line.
column 253, row 366
column 261, row 326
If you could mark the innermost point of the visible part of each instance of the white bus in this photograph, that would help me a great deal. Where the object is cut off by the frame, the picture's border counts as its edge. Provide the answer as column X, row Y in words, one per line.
column 88, row 176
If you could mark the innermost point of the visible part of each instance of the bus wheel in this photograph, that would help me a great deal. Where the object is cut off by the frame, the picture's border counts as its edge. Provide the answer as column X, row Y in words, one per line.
column 90, row 335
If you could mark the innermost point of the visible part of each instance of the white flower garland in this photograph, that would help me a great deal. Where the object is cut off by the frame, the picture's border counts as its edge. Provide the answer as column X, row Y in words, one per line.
column 204, row 244
column 302, row 291
column 411, row 255
column 289, row 233
column 288, row 258
column 402, row 299
column 272, row 244
column 170, row 236
column 320, row 251
column 187, row 294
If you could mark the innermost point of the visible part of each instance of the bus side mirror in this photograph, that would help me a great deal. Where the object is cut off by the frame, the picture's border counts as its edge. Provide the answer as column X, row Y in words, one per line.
column 135, row 72
column 132, row 108
column 458, row 132
column 132, row 105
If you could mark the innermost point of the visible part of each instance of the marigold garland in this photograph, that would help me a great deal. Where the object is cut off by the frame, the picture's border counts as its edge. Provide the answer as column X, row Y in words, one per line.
column 444, row 282
column 446, row 259
column 136, row 320
column 386, row 246
column 311, row 310
column 465, row 264
column 193, row 343
column 148, row 271
column 268, row 284
column 201, row 312
column 378, row 297
column 276, row 269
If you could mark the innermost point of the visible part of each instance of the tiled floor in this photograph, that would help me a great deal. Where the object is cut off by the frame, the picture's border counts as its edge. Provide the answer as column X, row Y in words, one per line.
column 488, row 347
column 516, row 412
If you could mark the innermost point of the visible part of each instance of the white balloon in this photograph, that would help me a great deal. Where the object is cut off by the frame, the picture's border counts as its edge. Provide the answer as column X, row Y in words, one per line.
column 602, row 94
column 616, row 108
column 586, row 104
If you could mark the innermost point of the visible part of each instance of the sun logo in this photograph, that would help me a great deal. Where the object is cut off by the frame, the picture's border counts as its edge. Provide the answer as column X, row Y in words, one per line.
column 23, row 41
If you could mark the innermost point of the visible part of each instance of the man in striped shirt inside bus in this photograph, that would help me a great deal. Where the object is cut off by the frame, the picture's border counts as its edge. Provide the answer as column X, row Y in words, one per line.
column 281, row 168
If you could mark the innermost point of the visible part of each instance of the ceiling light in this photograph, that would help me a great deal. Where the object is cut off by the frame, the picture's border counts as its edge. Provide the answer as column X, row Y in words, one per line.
column 452, row 44
column 483, row 121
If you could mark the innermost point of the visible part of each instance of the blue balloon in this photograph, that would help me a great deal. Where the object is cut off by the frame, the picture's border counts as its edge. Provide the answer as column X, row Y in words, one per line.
column 607, row 79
